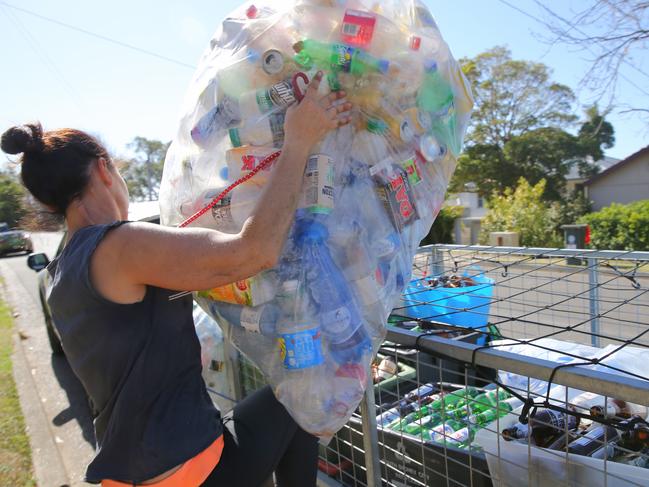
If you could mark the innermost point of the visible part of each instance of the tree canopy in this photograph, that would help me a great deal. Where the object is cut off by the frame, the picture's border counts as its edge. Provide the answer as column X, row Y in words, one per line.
column 143, row 171
column 12, row 195
column 520, row 129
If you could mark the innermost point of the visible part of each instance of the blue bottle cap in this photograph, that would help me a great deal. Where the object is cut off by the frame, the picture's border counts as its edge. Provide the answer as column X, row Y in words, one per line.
column 384, row 66
column 430, row 66
column 224, row 173
column 311, row 231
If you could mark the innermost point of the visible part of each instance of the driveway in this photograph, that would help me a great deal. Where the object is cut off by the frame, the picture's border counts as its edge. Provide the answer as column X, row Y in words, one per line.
column 54, row 404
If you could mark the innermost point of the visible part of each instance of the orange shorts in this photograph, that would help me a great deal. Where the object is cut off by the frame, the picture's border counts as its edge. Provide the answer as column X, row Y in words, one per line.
column 192, row 473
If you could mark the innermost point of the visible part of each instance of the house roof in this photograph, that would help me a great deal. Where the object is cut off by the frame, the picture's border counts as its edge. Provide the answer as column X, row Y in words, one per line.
column 603, row 165
column 619, row 165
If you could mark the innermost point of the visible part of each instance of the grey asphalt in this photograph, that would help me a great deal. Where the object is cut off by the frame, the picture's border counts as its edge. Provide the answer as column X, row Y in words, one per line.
column 54, row 405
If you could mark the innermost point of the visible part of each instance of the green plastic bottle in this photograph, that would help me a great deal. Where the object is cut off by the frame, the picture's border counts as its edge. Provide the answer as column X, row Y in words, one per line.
column 427, row 422
column 436, row 98
column 488, row 400
column 454, row 400
column 338, row 57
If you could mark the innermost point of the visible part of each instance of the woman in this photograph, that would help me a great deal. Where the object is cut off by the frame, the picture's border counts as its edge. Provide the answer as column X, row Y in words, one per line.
column 134, row 350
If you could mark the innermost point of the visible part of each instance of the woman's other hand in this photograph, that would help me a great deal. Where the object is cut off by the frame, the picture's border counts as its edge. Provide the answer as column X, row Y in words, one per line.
column 310, row 120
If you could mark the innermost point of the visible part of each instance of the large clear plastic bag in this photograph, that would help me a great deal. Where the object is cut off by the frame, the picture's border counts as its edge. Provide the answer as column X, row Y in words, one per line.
column 371, row 189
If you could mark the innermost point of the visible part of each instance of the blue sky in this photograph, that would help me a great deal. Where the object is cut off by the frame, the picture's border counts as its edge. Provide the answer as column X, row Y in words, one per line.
column 66, row 78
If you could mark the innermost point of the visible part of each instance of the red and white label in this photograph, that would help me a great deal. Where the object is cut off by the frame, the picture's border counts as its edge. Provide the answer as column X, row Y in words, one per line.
column 358, row 28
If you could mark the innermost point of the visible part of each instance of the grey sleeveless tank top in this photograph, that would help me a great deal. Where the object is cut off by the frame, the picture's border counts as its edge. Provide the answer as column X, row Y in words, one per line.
column 140, row 366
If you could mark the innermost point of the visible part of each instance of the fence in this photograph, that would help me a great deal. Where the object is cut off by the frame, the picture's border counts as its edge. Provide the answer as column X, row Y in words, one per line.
column 558, row 340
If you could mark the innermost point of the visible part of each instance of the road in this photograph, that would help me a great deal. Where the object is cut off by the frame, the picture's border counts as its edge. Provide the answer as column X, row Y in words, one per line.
column 62, row 400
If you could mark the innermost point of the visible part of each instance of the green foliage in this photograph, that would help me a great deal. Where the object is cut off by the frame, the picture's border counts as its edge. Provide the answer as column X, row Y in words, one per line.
column 513, row 97
column 519, row 128
column 620, row 227
column 571, row 210
column 443, row 228
column 12, row 196
column 595, row 133
column 522, row 210
column 143, row 172
column 15, row 453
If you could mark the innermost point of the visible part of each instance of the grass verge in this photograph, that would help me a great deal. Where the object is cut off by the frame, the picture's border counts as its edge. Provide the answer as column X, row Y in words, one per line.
column 15, row 454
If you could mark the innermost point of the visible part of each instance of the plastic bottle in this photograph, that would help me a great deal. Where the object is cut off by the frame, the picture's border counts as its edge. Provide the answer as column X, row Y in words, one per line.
column 318, row 190
column 409, row 403
column 219, row 217
column 298, row 330
column 338, row 57
column 370, row 146
column 261, row 319
column 518, row 431
column 255, row 104
column 254, row 291
column 436, row 98
column 594, row 438
column 267, row 131
column 547, row 423
column 223, row 116
column 339, row 316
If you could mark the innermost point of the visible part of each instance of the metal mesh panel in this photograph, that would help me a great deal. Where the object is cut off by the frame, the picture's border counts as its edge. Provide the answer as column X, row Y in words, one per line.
column 545, row 328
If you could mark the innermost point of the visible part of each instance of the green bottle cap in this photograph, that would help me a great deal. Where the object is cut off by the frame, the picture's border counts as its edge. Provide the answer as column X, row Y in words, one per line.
column 235, row 138
column 377, row 126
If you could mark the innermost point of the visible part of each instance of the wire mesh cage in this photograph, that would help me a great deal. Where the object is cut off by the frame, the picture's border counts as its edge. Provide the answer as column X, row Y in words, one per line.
column 505, row 367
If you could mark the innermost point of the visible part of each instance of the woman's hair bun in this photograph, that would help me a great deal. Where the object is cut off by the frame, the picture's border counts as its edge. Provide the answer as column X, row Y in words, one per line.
column 23, row 138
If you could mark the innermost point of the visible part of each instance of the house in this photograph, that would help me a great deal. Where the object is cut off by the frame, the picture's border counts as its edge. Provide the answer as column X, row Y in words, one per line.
column 467, row 227
column 575, row 181
column 625, row 182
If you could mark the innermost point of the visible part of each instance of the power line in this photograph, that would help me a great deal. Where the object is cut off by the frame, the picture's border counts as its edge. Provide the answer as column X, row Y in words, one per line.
column 540, row 21
column 42, row 54
column 99, row 36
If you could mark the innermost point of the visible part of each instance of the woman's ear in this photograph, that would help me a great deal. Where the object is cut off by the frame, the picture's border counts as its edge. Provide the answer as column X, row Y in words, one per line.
column 104, row 172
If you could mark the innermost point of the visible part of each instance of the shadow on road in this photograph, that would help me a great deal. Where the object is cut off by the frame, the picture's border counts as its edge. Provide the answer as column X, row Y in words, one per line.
column 79, row 409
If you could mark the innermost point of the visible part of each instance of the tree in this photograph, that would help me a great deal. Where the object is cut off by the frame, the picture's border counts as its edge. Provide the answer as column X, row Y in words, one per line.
column 12, row 195
column 520, row 129
column 144, row 171
column 513, row 97
column 613, row 32
column 522, row 210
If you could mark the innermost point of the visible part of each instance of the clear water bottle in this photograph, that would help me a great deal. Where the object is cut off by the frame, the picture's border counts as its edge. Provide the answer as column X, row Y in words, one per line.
column 266, row 131
column 260, row 319
column 339, row 315
column 298, row 330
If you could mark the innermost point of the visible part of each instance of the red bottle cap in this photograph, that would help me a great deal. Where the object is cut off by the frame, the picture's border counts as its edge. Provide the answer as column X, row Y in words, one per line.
column 415, row 43
column 252, row 12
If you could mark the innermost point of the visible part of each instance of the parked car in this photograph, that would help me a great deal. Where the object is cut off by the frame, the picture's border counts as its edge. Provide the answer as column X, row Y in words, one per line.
column 145, row 211
column 14, row 240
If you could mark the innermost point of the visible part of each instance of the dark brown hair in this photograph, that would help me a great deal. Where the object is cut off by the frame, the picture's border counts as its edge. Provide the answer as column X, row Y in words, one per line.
column 56, row 164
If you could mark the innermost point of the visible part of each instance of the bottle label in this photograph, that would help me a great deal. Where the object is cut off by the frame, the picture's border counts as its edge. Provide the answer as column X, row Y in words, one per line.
column 341, row 58
column 251, row 318
column 412, row 169
column 276, row 121
column 282, row 94
column 358, row 27
column 235, row 293
column 397, row 196
column 460, row 436
column 318, row 190
column 337, row 322
column 302, row 349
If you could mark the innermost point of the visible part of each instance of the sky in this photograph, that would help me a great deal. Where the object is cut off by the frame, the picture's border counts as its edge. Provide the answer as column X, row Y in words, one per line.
column 68, row 78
